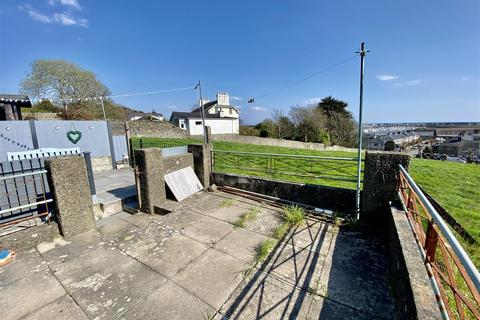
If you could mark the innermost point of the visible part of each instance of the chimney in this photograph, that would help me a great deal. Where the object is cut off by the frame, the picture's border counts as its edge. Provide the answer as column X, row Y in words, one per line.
column 223, row 99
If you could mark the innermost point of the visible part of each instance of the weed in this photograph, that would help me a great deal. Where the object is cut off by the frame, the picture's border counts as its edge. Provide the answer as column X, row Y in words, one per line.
column 352, row 223
column 294, row 214
column 245, row 217
column 263, row 249
column 281, row 231
column 227, row 203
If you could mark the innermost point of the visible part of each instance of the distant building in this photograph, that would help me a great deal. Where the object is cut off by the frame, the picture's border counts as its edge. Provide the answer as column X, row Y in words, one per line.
column 11, row 104
column 391, row 141
column 220, row 116
column 153, row 116
column 460, row 146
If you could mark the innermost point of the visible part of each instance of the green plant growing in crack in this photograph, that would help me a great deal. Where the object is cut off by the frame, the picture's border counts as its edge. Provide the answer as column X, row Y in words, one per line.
column 294, row 214
column 281, row 231
column 245, row 217
column 263, row 249
column 227, row 203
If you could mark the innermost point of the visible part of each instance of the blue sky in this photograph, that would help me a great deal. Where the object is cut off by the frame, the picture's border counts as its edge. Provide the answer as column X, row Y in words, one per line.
column 424, row 63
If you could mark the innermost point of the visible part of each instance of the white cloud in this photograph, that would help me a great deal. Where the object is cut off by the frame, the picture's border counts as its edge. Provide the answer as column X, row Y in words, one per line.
column 70, row 3
column 37, row 16
column 408, row 83
column 236, row 98
column 312, row 100
column 386, row 77
column 68, row 20
column 65, row 19
column 261, row 109
column 172, row 107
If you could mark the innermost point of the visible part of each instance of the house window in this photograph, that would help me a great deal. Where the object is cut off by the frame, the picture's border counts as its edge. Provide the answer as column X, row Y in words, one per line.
column 182, row 125
column 231, row 111
column 198, row 123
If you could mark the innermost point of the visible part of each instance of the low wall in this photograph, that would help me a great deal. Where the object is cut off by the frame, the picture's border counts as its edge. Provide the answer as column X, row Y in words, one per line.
column 336, row 199
column 414, row 296
column 145, row 128
column 101, row 164
column 175, row 163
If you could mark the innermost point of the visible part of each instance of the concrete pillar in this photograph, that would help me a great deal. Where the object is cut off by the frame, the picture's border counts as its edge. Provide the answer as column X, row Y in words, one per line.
column 380, row 179
column 70, row 188
column 150, row 168
column 202, row 159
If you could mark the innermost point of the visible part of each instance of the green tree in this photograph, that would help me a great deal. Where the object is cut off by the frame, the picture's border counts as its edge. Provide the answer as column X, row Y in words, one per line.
column 61, row 81
column 267, row 129
column 284, row 127
column 339, row 123
column 309, row 124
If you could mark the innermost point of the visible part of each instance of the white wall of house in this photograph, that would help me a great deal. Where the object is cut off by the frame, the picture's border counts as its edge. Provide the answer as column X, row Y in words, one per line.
column 218, row 126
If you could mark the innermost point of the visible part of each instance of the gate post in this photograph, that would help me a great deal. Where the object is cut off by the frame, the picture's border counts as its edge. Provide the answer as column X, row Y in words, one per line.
column 380, row 179
column 69, row 186
column 202, row 162
column 150, row 170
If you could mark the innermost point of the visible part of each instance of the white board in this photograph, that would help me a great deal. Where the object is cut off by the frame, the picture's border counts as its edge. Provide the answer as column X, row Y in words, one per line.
column 183, row 183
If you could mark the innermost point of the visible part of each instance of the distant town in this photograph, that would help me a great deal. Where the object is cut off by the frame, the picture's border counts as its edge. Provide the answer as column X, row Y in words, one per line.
column 453, row 141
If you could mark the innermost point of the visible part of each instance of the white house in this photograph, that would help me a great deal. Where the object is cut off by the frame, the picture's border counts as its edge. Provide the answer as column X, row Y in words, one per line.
column 220, row 116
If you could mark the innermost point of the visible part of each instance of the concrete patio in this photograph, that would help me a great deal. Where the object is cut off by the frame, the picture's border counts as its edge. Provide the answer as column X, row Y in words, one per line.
column 191, row 263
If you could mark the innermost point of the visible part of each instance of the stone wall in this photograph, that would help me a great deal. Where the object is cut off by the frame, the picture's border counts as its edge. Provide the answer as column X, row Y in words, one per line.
column 414, row 296
column 380, row 179
column 156, row 129
column 275, row 142
column 336, row 199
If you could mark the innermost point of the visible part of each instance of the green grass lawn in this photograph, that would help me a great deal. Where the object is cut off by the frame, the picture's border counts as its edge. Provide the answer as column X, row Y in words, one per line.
column 456, row 186
column 326, row 172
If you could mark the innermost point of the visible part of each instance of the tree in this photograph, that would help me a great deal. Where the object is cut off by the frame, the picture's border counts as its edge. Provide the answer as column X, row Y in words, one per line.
column 339, row 122
column 308, row 124
column 267, row 129
column 248, row 131
column 61, row 81
column 284, row 127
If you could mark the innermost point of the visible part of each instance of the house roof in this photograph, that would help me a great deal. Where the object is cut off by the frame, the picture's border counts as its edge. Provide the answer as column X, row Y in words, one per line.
column 211, row 104
column 197, row 115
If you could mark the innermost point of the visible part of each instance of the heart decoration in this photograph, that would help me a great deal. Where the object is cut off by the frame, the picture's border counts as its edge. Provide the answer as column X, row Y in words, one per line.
column 74, row 136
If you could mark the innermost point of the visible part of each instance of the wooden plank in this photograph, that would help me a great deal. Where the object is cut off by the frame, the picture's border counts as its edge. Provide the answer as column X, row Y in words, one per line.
column 183, row 183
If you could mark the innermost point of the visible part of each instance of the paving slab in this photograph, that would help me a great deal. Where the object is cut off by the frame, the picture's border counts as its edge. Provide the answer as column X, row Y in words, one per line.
column 26, row 264
column 64, row 308
column 170, row 302
column 179, row 220
column 204, row 202
column 241, row 243
column 163, row 250
column 208, row 230
column 230, row 214
column 266, row 297
column 104, row 281
column 356, row 274
column 298, row 266
column 212, row 277
column 22, row 297
column 318, row 240
column 266, row 222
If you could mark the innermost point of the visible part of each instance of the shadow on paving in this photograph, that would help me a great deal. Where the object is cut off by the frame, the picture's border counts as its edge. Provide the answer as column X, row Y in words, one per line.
column 326, row 275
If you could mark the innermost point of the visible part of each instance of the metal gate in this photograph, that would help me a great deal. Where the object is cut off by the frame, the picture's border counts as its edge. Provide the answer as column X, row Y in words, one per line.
column 24, row 192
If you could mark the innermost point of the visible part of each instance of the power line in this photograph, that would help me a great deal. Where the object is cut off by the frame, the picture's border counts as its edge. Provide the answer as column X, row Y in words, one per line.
column 251, row 100
column 125, row 95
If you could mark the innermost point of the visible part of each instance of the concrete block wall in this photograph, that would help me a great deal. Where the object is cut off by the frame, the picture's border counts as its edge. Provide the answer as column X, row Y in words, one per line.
column 152, row 167
column 380, row 179
column 70, row 188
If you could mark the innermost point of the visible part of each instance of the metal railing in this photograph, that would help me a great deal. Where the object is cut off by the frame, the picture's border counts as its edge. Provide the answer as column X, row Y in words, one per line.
column 299, row 168
column 454, row 277
column 24, row 192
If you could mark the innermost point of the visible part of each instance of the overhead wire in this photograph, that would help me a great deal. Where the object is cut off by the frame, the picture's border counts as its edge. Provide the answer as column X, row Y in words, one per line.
column 250, row 100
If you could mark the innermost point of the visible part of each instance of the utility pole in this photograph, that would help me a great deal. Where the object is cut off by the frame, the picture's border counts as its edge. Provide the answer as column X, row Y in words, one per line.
column 362, row 53
column 202, row 111
column 103, row 109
